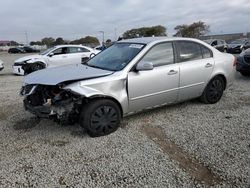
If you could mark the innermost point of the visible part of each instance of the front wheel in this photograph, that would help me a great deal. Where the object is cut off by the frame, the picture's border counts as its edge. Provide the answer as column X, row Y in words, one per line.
column 214, row 91
column 100, row 117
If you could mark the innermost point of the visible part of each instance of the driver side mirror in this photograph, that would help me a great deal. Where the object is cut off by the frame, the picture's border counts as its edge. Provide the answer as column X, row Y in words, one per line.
column 144, row 66
column 51, row 54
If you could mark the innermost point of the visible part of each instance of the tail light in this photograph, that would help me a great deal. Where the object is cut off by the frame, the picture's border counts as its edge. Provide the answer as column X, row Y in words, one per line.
column 234, row 62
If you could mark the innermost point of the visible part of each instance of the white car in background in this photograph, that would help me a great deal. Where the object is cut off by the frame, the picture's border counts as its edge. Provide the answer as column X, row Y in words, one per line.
column 53, row 57
column 1, row 65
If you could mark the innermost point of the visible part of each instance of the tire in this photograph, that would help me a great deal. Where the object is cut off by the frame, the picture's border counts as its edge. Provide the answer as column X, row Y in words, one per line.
column 214, row 91
column 245, row 74
column 100, row 117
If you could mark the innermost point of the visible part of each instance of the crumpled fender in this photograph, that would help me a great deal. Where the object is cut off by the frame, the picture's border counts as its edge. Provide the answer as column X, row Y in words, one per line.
column 84, row 90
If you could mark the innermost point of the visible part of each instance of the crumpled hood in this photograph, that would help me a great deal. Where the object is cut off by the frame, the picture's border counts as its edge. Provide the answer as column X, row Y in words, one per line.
column 56, row 75
column 33, row 57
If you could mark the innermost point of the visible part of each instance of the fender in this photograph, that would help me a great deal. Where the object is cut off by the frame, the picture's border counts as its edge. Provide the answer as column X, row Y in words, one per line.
column 115, row 90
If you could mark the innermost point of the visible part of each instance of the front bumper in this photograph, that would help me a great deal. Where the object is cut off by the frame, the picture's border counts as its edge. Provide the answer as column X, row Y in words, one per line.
column 17, row 70
column 39, row 111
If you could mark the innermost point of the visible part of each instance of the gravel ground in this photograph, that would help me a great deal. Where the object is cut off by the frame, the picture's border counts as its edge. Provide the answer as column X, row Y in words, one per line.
column 184, row 145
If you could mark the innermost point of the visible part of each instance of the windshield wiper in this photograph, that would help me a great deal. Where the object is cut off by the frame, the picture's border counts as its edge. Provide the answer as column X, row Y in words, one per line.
column 94, row 66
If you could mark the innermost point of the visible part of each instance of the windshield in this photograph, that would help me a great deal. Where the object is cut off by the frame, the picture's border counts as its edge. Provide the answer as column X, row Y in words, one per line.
column 116, row 57
column 47, row 51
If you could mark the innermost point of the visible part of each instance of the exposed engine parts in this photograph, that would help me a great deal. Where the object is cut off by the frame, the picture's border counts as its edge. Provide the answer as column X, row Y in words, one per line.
column 52, row 102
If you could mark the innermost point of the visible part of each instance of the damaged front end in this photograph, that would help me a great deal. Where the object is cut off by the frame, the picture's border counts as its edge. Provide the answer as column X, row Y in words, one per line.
column 52, row 102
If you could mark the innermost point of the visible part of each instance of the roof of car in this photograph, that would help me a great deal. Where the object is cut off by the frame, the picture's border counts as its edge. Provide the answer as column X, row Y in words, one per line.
column 72, row 45
column 147, row 40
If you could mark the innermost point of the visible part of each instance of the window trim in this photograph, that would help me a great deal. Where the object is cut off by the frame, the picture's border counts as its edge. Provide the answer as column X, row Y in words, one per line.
column 200, row 45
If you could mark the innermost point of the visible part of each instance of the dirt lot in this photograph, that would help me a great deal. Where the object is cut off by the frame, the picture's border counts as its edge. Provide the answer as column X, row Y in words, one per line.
column 184, row 145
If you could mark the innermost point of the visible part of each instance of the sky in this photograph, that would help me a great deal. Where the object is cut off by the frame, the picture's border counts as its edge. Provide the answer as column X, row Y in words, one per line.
column 72, row 19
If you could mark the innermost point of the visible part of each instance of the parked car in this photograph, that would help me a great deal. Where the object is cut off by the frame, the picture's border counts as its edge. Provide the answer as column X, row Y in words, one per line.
column 1, row 65
column 101, row 47
column 128, row 77
column 243, row 63
column 53, row 57
column 16, row 50
column 219, row 44
column 28, row 49
column 238, row 46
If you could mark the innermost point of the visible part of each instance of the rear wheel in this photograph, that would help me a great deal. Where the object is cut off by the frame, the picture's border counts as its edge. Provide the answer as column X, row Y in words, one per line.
column 100, row 117
column 214, row 91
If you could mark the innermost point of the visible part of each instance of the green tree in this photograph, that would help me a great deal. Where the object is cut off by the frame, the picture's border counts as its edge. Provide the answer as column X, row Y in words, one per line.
column 86, row 40
column 36, row 43
column 146, row 32
column 49, row 41
column 194, row 30
column 59, row 41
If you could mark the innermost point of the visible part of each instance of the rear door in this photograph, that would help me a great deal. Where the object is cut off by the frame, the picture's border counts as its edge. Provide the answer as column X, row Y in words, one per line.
column 77, row 55
column 155, row 87
column 196, row 65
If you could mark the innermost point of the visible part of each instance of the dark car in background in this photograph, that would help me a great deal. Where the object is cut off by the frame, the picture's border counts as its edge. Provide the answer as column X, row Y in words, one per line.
column 243, row 63
column 219, row 44
column 28, row 49
column 238, row 46
column 16, row 50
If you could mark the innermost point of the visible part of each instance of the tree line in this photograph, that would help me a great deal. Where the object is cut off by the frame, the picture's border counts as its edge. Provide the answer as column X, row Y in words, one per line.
column 49, row 41
column 194, row 30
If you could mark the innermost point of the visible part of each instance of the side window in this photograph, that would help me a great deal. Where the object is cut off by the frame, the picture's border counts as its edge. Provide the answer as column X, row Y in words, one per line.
column 188, row 51
column 60, row 51
column 206, row 53
column 74, row 50
column 81, row 49
column 161, row 54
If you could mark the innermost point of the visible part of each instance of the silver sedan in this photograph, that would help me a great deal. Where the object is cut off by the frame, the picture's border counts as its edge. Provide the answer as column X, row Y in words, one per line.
column 128, row 77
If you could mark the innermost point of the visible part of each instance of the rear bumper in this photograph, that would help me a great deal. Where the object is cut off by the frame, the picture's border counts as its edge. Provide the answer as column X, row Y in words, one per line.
column 17, row 70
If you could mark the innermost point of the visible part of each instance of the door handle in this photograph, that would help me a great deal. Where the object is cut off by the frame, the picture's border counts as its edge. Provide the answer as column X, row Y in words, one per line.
column 64, row 56
column 172, row 72
column 208, row 65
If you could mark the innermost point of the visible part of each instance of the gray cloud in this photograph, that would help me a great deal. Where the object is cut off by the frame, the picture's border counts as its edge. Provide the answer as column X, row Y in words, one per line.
column 77, row 18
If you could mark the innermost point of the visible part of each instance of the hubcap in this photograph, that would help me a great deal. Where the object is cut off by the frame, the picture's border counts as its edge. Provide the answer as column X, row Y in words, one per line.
column 104, row 119
column 215, row 90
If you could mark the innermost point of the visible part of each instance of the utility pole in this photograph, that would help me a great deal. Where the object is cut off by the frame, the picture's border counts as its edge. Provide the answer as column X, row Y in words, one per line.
column 115, row 34
column 102, row 36
column 26, row 37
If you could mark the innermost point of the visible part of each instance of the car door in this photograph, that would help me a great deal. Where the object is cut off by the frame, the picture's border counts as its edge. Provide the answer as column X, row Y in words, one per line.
column 152, row 88
column 196, row 65
column 58, row 57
